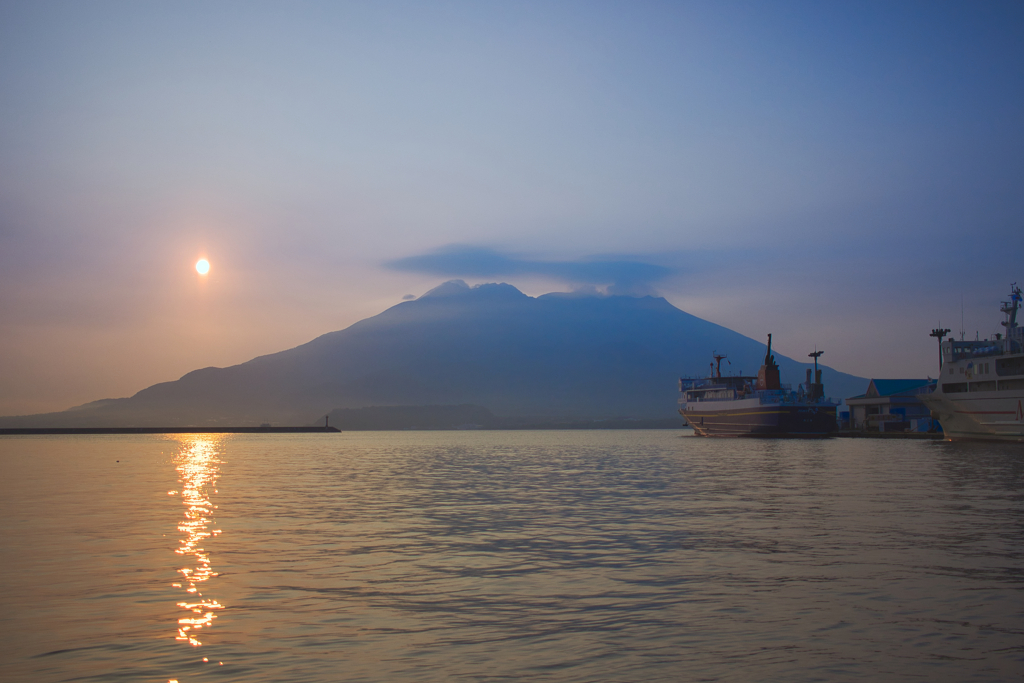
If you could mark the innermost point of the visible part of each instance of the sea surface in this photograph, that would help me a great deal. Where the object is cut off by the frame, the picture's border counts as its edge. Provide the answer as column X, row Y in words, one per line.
column 499, row 556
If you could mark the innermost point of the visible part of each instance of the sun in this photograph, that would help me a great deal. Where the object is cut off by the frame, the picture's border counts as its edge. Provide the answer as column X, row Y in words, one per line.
column 202, row 266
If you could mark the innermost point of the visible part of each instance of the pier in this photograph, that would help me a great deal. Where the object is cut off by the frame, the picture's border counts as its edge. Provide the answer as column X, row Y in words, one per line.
column 167, row 430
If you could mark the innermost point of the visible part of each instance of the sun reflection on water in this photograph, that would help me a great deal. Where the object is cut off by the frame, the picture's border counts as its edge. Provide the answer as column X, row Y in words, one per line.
column 198, row 470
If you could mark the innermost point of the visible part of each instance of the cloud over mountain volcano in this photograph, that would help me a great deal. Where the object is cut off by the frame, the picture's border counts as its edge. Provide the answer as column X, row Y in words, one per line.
column 621, row 275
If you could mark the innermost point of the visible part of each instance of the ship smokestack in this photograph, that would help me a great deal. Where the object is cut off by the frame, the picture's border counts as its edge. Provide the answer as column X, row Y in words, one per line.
column 768, row 375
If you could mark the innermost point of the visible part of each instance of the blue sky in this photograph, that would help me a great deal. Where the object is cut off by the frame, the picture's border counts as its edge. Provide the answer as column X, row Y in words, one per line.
column 839, row 174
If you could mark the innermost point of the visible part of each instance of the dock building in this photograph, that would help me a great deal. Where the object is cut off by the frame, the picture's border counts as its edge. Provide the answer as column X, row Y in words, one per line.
column 892, row 405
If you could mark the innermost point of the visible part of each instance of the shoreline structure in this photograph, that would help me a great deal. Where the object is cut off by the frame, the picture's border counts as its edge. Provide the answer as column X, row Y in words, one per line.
column 167, row 430
column 71, row 431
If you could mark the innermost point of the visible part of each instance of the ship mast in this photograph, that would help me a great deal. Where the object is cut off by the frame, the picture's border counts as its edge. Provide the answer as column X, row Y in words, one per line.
column 1010, row 308
column 815, row 356
column 939, row 333
column 718, row 365
column 815, row 389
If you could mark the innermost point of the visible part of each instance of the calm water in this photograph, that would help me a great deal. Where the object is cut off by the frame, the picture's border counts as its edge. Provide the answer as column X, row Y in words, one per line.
column 480, row 556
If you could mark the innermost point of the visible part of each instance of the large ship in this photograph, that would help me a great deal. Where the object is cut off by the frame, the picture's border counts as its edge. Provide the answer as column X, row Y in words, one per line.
column 980, row 391
column 757, row 406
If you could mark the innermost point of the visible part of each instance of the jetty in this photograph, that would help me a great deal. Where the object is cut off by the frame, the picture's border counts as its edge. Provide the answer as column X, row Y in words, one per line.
column 167, row 430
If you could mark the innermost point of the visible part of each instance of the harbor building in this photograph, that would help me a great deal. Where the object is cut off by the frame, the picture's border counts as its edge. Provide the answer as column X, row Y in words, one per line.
column 892, row 405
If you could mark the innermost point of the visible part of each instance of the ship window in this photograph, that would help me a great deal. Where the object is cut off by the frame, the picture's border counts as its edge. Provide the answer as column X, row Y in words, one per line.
column 952, row 370
column 954, row 388
column 1010, row 366
column 1006, row 384
column 983, row 386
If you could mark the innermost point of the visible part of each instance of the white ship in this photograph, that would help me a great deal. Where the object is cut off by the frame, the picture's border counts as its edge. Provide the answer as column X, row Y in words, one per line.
column 980, row 391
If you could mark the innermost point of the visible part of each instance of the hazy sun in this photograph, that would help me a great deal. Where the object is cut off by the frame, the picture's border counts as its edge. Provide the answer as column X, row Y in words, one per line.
column 202, row 266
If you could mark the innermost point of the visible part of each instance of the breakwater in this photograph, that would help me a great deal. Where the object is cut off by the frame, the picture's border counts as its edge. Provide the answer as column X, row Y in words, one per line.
column 167, row 430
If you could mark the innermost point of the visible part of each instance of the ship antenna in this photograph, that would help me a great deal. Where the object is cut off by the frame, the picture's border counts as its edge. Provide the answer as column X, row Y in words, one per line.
column 961, row 316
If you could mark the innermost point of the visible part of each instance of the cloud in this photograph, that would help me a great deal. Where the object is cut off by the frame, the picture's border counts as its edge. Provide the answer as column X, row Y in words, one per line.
column 619, row 274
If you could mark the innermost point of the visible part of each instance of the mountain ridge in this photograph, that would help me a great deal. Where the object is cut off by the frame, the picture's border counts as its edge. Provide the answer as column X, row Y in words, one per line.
column 564, row 356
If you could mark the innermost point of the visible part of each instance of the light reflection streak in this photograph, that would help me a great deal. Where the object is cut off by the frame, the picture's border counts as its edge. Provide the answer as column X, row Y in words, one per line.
column 198, row 470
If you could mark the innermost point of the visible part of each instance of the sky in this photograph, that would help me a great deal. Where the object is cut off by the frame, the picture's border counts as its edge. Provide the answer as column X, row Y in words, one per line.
column 846, row 175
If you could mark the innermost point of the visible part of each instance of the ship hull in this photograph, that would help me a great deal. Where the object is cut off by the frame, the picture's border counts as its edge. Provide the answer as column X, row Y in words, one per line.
column 778, row 421
column 984, row 416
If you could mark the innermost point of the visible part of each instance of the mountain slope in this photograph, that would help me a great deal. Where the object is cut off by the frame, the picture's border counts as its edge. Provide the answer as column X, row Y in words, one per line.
column 558, row 356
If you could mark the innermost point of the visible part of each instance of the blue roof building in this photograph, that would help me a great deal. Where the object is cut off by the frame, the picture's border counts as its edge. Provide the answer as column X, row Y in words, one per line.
column 891, row 405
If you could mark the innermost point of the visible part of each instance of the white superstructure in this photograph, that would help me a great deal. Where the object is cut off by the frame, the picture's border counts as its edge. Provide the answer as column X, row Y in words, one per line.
column 980, row 390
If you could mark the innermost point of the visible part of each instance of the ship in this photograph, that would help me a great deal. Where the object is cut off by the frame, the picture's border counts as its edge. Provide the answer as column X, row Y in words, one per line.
column 761, row 406
column 980, row 391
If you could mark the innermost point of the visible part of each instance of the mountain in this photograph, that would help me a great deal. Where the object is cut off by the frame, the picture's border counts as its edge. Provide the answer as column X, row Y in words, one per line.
column 553, row 357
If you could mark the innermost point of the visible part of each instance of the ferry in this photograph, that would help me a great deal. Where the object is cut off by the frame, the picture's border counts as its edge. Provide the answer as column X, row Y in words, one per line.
column 980, row 391
column 758, row 406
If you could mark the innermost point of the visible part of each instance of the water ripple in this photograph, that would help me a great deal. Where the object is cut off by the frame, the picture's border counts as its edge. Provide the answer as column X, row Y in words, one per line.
column 554, row 556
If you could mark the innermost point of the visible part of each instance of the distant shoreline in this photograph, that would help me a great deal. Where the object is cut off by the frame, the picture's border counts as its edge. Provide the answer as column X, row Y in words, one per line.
column 166, row 430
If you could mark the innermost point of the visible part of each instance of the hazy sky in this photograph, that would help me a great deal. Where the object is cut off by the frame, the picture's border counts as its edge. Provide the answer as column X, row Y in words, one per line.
column 839, row 174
